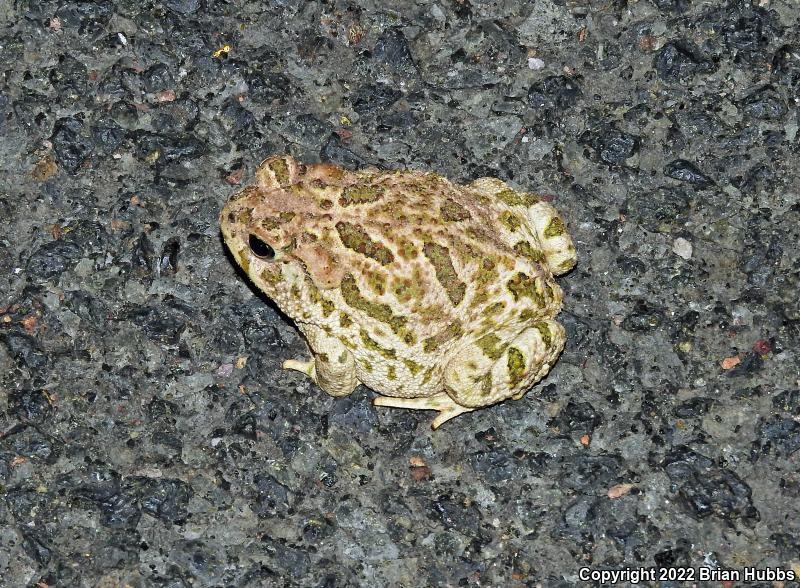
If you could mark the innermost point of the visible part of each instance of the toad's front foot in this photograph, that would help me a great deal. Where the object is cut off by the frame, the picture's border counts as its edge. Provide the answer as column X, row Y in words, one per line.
column 306, row 367
column 447, row 407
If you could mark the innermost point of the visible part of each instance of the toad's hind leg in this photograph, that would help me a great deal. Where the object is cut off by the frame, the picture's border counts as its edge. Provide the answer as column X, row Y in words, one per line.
column 549, row 233
column 552, row 234
column 333, row 367
column 491, row 370
column 447, row 407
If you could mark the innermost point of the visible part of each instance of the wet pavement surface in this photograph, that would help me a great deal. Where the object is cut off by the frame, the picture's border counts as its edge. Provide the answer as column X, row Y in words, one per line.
column 148, row 436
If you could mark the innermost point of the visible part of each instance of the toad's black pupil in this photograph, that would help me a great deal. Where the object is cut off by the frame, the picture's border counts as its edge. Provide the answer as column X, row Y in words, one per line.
column 260, row 249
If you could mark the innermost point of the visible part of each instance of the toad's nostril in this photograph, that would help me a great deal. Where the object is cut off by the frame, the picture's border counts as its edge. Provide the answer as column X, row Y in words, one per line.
column 261, row 249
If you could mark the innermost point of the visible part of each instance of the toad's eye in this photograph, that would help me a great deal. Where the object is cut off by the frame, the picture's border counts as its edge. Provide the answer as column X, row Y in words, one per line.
column 260, row 249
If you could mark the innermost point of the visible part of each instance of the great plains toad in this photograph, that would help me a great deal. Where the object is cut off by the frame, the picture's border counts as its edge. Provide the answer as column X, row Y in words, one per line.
column 436, row 295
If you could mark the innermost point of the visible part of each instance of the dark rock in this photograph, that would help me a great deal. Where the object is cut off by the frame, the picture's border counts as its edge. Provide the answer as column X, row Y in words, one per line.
column 589, row 473
column 623, row 529
column 764, row 103
column 673, row 5
column 579, row 516
column 70, row 76
column 54, row 258
column 614, row 357
column 682, row 170
column 245, row 425
column 392, row 49
column 643, row 318
column 36, row 548
column 750, row 364
column 452, row 512
column 759, row 177
column 693, row 408
column 25, row 504
column 289, row 446
column 778, row 433
column 631, row 265
column 29, row 111
column 168, row 148
column 120, row 85
column 87, row 18
column 168, row 440
column 577, row 418
column 705, row 489
column 36, row 446
column 272, row 498
column 496, row 466
column 125, row 114
column 396, row 120
column 168, row 260
column 107, row 135
column 747, row 30
column 261, row 335
column 285, row 557
column 163, row 498
column 91, row 235
column 159, row 322
column 227, row 337
column 328, row 476
column 611, row 145
column 370, row 99
column 760, row 259
column 664, row 206
column 182, row 6
column 266, row 86
column 30, row 405
column 316, row 528
column 612, row 58
column 786, row 67
column 91, row 309
column 554, row 92
column 159, row 408
column 176, row 117
column 72, row 143
column 235, row 119
column 102, row 489
column 787, row 401
column 308, row 129
column 158, row 78
column 786, row 543
column 120, row 511
column 312, row 47
column 680, row 60
column 24, row 349
column 353, row 414
column 722, row 493
column 698, row 121
column 142, row 255
column 257, row 574
column 335, row 152
column 672, row 557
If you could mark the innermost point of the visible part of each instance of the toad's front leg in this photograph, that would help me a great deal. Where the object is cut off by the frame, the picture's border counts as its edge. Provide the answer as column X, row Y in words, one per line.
column 333, row 367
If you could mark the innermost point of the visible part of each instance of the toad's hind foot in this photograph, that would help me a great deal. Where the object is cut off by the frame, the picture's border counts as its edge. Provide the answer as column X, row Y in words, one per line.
column 447, row 407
